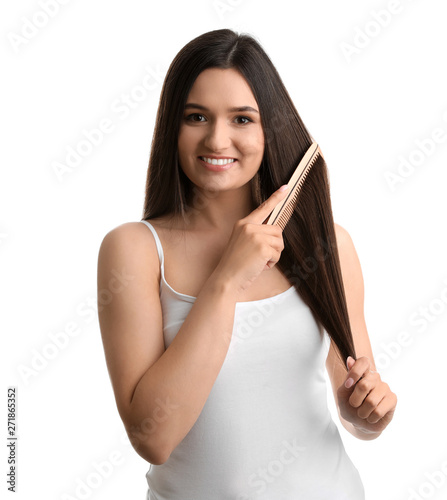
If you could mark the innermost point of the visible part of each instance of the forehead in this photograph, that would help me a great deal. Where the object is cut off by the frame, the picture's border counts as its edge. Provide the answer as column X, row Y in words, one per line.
column 221, row 85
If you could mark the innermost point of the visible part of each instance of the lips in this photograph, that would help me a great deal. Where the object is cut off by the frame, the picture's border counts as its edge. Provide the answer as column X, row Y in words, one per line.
column 217, row 164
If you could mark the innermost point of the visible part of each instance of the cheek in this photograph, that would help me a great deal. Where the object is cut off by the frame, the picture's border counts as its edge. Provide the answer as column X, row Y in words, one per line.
column 188, row 138
column 253, row 143
column 185, row 142
column 182, row 138
column 261, row 142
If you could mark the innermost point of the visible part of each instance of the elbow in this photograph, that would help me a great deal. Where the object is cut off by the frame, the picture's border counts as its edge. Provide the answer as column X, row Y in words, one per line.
column 153, row 455
column 148, row 441
column 158, row 454
column 148, row 447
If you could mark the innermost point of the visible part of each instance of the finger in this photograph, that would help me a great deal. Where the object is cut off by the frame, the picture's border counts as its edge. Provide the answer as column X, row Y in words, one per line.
column 260, row 213
column 369, row 403
column 384, row 410
column 273, row 260
column 360, row 391
column 350, row 362
column 359, row 369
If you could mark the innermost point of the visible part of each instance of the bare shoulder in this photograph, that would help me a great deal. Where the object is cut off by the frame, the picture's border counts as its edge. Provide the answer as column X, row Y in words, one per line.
column 138, row 233
column 131, row 243
column 349, row 260
column 342, row 235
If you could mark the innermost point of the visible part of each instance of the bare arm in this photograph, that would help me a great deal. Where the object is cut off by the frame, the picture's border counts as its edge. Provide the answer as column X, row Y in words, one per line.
column 354, row 290
column 159, row 393
column 181, row 379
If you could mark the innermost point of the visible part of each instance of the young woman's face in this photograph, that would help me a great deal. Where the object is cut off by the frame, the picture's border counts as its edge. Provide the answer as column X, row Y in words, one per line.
column 220, row 124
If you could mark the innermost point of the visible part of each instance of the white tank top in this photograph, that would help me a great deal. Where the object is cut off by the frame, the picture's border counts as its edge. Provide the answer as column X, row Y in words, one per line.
column 265, row 431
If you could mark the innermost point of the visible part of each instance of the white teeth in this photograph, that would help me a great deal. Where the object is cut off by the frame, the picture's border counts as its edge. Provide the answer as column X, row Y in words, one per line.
column 213, row 161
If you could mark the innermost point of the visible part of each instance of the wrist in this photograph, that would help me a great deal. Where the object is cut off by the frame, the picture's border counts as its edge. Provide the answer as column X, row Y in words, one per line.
column 221, row 285
column 364, row 434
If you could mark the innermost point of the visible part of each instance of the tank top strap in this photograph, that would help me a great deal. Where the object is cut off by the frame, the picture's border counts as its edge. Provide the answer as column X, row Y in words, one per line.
column 158, row 244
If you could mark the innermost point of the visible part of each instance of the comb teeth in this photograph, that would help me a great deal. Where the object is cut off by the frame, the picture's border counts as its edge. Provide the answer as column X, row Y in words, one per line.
column 283, row 211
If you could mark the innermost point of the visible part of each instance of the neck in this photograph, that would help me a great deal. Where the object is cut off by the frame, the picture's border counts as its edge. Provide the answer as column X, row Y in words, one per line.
column 218, row 212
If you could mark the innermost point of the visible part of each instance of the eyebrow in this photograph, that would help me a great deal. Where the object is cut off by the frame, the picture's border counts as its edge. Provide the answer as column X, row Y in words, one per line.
column 231, row 110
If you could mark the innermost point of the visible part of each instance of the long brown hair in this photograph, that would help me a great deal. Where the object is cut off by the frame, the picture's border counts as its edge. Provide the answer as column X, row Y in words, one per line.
column 310, row 259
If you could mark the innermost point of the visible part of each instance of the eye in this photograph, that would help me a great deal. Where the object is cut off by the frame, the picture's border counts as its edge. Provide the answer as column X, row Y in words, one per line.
column 244, row 118
column 194, row 115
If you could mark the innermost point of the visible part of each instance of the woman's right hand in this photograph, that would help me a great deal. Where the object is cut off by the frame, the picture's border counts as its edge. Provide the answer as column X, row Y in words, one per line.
column 253, row 246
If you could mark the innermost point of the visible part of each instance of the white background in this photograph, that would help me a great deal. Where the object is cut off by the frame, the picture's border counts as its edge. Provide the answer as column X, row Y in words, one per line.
column 369, row 112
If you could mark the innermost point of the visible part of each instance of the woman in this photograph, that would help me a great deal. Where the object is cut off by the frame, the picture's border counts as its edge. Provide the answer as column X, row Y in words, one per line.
column 216, row 344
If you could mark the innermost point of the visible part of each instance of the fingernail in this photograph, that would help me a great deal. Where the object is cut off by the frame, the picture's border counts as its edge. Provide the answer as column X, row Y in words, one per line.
column 349, row 382
column 283, row 188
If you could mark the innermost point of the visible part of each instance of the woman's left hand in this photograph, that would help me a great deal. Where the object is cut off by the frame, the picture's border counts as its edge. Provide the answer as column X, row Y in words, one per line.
column 368, row 403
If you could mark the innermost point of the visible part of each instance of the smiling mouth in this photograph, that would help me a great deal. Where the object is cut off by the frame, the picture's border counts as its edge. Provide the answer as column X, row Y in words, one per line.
column 215, row 161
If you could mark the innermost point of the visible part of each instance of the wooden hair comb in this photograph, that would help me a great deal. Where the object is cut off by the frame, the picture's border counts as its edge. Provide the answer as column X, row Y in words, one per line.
column 284, row 209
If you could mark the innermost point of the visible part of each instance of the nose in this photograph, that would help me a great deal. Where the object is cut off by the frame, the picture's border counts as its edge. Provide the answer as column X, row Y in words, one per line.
column 218, row 137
